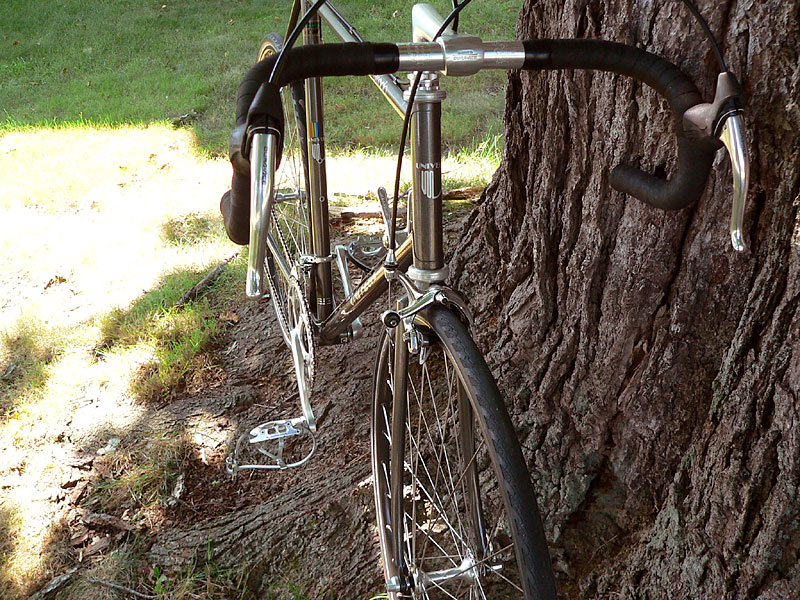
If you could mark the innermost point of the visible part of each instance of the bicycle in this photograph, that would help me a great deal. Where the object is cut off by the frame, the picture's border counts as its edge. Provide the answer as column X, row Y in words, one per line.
column 456, row 511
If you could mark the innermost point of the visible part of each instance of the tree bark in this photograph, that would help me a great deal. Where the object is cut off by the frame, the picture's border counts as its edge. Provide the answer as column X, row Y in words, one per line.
column 654, row 372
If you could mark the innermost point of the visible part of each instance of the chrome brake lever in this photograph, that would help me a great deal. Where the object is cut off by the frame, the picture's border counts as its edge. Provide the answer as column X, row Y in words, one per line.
column 723, row 120
column 732, row 136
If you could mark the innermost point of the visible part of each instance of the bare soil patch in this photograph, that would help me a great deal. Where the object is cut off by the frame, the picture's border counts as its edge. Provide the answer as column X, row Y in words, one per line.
column 105, row 485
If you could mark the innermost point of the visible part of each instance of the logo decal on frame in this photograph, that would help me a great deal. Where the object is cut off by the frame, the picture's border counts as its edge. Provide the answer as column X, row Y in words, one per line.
column 428, row 184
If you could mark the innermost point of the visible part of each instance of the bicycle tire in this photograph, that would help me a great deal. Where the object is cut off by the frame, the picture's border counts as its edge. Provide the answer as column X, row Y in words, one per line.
column 290, row 216
column 493, row 483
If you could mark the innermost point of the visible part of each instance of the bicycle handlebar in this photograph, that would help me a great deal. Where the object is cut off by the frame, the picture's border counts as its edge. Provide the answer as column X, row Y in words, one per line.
column 695, row 157
column 259, row 109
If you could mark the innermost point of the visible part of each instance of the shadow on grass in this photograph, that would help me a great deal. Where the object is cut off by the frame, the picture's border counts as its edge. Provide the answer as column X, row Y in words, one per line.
column 25, row 352
column 172, row 331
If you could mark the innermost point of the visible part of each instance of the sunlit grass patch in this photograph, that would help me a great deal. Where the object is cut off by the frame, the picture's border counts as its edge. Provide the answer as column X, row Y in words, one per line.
column 356, row 173
column 176, row 335
column 81, row 167
column 26, row 349
column 474, row 165
column 193, row 228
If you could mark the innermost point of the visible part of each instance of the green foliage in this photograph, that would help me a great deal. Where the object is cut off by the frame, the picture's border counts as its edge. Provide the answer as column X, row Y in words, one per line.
column 181, row 62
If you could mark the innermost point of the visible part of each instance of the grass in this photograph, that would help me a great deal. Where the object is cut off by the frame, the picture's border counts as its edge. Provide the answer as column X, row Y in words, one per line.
column 109, row 125
column 26, row 349
column 190, row 229
column 175, row 336
column 94, row 262
column 121, row 567
column 156, row 62
column 10, row 525
column 140, row 476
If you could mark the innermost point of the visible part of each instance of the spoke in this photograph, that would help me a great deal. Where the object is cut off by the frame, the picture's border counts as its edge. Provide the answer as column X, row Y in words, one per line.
column 458, row 537
column 443, row 520
column 437, row 503
column 442, row 589
column 435, row 543
column 506, row 579
column 443, row 452
column 415, row 442
column 492, row 571
column 471, row 460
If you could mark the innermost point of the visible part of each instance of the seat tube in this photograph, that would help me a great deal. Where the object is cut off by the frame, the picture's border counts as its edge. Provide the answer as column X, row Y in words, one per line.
column 428, row 263
column 318, row 192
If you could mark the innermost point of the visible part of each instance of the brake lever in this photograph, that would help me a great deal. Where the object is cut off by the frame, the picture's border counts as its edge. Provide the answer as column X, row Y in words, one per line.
column 722, row 119
column 732, row 136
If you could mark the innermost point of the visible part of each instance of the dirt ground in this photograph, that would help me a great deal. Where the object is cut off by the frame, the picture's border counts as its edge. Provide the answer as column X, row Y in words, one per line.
column 246, row 379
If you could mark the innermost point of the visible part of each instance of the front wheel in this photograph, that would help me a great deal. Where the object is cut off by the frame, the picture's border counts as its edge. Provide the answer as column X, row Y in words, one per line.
column 457, row 516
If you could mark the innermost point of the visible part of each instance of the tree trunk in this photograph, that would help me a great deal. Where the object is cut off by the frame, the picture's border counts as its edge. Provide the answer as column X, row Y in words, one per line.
column 654, row 372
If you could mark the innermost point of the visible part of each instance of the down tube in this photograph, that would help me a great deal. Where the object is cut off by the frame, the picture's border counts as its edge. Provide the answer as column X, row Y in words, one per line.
column 367, row 293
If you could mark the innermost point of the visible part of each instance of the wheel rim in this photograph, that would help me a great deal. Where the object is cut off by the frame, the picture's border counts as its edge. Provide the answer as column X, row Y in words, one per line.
column 290, row 225
column 450, row 491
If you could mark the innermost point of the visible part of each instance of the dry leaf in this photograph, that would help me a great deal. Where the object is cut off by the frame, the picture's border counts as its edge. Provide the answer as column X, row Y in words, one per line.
column 229, row 316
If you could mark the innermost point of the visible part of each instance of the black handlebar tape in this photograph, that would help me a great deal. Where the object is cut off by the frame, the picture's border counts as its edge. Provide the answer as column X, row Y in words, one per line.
column 328, row 60
column 694, row 156
column 235, row 209
column 258, row 105
column 322, row 60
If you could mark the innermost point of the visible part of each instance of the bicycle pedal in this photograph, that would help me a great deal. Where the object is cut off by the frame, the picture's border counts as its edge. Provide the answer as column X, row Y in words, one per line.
column 273, row 446
column 273, row 430
column 366, row 249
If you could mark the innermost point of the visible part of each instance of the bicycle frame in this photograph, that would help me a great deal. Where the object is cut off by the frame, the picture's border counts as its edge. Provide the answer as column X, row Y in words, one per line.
column 422, row 252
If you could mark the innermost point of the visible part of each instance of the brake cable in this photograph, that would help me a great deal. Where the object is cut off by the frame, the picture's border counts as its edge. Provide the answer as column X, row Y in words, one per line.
column 707, row 30
column 276, row 70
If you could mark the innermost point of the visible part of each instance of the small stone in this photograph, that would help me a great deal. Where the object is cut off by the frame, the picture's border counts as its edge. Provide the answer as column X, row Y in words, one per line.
column 111, row 446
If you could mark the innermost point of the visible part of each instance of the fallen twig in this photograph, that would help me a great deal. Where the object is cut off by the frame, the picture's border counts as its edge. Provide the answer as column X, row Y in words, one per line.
column 122, row 588
column 205, row 282
column 54, row 585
